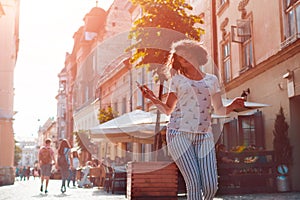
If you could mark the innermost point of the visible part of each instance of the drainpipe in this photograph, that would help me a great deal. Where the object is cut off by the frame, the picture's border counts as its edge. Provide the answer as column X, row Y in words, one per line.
column 214, row 44
column 130, row 85
column 143, row 82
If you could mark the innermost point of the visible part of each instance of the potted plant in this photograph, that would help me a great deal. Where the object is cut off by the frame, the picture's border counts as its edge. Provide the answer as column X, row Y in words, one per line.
column 283, row 151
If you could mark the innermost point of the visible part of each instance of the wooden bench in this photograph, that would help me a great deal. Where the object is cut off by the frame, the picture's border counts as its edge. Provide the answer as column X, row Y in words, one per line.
column 251, row 172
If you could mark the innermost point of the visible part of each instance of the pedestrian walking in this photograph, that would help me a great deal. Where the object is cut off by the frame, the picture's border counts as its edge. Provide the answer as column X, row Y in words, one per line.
column 27, row 173
column 76, row 163
column 64, row 162
column 23, row 173
column 46, row 159
column 17, row 173
column 35, row 172
column 193, row 95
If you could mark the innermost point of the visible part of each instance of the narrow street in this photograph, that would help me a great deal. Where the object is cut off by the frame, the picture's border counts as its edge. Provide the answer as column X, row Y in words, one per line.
column 30, row 190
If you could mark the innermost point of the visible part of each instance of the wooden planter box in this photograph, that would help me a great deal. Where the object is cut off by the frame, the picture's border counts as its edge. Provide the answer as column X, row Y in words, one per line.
column 247, row 177
column 152, row 180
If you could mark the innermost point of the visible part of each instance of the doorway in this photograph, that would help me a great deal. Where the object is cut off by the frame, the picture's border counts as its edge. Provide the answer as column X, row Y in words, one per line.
column 294, row 134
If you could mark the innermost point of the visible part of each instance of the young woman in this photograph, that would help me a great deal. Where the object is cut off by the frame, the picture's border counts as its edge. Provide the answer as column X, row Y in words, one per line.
column 76, row 164
column 64, row 151
column 192, row 97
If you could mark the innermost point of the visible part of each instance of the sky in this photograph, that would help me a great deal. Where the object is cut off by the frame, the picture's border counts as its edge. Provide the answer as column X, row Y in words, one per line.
column 46, row 34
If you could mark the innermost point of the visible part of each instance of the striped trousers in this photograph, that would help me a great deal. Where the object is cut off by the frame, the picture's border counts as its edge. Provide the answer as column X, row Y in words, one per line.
column 194, row 154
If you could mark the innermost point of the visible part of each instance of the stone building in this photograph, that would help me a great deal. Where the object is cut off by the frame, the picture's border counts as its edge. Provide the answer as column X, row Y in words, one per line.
column 254, row 50
column 9, row 45
column 29, row 151
column 97, row 44
column 255, row 47
column 62, row 127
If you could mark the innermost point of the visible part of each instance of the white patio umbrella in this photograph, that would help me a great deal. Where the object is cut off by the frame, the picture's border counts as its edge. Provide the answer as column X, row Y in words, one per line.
column 140, row 126
column 136, row 126
column 248, row 105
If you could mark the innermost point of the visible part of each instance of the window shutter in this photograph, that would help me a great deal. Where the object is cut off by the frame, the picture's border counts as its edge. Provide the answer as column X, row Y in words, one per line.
column 230, row 134
column 259, row 129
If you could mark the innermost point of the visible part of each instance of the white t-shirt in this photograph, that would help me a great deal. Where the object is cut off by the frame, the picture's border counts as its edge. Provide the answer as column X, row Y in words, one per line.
column 75, row 162
column 193, row 109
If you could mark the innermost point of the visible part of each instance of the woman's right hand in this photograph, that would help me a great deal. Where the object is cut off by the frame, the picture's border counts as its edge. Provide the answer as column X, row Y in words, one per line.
column 167, row 107
column 146, row 92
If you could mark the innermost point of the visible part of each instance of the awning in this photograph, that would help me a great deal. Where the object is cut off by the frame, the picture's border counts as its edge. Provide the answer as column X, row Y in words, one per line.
column 139, row 126
column 248, row 105
column 136, row 126
column 84, row 143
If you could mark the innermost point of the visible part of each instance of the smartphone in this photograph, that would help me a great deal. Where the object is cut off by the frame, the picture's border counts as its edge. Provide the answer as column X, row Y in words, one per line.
column 138, row 84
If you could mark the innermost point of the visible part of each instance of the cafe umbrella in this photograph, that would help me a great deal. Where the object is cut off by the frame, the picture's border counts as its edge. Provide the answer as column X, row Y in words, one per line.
column 135, row 126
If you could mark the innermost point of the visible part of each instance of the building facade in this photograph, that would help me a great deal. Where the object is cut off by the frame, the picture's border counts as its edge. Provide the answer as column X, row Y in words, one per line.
column 254, row 50
column 62, row 128
column 29, row 152
column 255, row 47
column 9, row 44
column 48, row 130
column 97, row 44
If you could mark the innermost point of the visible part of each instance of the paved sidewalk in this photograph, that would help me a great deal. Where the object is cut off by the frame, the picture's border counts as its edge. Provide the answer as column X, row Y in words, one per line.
column 30, row 190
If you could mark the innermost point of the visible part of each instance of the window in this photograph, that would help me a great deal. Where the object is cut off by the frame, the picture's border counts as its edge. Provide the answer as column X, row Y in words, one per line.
column 241, row 33
column 246, row 130
column 86, row 96
column 222, row 2
column 291, row 21
column 124, row 106
column 115, row 108
column 251, row 130
column 247, row 55
column 226, row 62
column 222, row 5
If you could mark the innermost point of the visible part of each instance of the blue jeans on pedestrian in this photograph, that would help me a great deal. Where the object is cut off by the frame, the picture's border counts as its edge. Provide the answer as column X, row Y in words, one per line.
column 72, row 176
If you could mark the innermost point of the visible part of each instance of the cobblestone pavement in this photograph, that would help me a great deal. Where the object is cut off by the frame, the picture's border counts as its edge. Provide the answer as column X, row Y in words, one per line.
column 30, row 190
